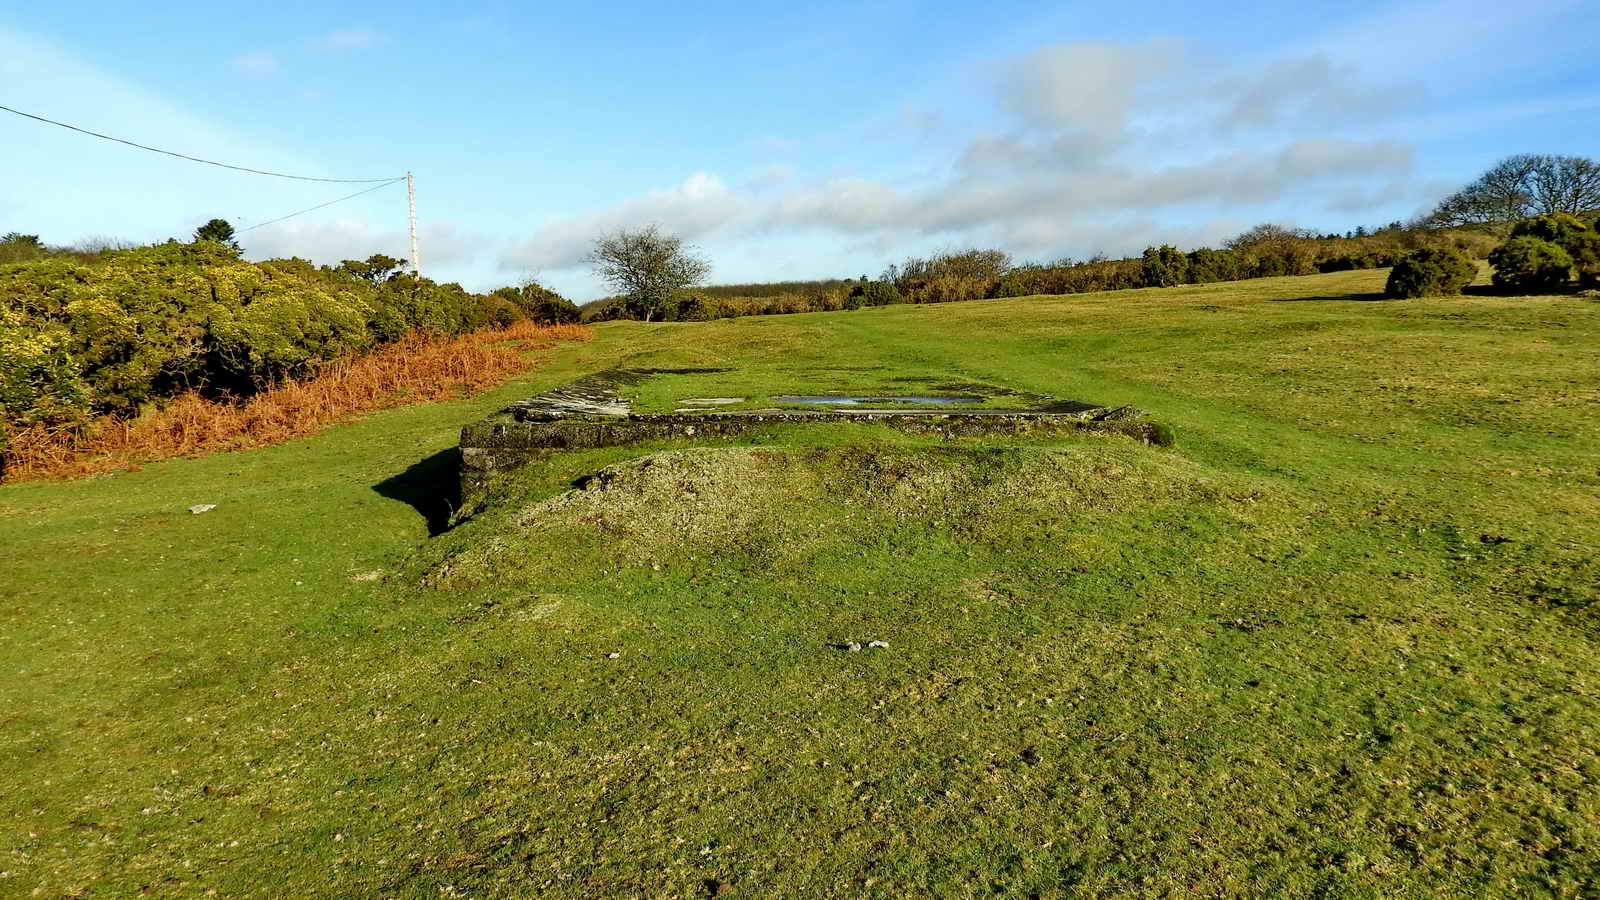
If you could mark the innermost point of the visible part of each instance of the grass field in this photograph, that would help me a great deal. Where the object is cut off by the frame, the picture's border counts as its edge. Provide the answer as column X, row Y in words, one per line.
column 1340, row 641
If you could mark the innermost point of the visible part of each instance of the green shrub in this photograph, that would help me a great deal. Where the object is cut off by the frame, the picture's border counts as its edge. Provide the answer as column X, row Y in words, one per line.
column 375, row 269
column 1557, row 228
column 108, row 333
column 218, row 231
column 606, row 309
column 16, row 247
column 1164, row 267
column 40, row 382
column 694, row 307
column 1530, row 264
column 873, row 293
column 1207, row 265
column 540, row 304
column 1585, row 253
column 1571, row 234
column 1268, row 251
column 949, row 276
column 1371, row 259
column 497, row 311
column 270, row 330
column 1431, row 273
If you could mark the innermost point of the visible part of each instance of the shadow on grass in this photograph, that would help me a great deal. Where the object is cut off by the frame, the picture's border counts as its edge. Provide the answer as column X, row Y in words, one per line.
column 432, row 487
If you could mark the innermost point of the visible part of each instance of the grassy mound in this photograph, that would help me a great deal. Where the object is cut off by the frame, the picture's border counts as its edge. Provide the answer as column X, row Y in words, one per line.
column 771, row 504
column 1100, row 655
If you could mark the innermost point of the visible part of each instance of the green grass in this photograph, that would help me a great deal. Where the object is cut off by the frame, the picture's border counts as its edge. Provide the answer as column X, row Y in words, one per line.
column 1340, row 641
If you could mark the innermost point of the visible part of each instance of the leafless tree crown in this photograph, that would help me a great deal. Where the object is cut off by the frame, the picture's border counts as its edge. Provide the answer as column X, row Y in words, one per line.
column 1517, row 187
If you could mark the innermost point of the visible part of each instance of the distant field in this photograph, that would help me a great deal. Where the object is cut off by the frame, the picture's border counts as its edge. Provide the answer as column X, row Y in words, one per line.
column 1342, row 640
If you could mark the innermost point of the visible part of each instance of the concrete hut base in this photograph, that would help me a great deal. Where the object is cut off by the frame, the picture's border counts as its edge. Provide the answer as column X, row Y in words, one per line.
column 591, row 413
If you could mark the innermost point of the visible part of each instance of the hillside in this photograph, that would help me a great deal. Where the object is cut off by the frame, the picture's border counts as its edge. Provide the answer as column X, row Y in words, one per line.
column 1339, row 641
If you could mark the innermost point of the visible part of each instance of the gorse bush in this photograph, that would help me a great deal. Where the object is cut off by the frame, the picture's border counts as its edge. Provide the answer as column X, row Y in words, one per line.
column 873, row 293
column 17, row 247
column 417, row 368
column 113, row 332
column 1431, row 273
column 1572, row 234
column 1528, row 263
column 534, row 301
column 1370, row 259
column 1207, row 265
column 1165, row 267
column 40, row 383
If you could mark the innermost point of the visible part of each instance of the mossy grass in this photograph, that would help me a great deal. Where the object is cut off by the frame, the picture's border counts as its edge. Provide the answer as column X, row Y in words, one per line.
column 1339, row 641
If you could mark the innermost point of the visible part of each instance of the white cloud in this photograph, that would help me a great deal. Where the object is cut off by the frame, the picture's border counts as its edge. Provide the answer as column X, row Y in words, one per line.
column 329, row 243
column 1307, row 89
column 1420, row 195
column 258, row 65
column 699, row 205
column 1083, row 86
column 770, row 177
column 1024, row 200
column 1100, row 91
column 1109, row 141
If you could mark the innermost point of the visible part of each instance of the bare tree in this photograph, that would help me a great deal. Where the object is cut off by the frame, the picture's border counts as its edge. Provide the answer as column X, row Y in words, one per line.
column 1566, row 184
column 1267, row 233
column 648, row 266
column 1520, row 186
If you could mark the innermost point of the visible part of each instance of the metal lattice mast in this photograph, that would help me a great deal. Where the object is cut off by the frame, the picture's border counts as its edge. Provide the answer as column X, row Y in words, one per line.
column 411, row 202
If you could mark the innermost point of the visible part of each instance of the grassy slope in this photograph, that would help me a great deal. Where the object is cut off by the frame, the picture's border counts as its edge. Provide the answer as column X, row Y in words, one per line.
column 1282, row 657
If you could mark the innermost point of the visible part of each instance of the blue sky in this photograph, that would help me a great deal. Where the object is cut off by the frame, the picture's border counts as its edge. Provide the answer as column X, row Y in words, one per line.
column 784, row 140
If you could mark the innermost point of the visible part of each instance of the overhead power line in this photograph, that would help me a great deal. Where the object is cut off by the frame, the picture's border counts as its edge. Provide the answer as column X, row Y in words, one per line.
column 197, row 159
column 321, row 205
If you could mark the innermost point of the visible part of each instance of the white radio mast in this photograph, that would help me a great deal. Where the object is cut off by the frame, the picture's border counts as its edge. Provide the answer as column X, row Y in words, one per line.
column 411, row 201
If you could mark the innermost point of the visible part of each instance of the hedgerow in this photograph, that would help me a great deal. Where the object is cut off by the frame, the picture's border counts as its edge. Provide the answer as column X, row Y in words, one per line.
column 955, row 275
column 88, row 335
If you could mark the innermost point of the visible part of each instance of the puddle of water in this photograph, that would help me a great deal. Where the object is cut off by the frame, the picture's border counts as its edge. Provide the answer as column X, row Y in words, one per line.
column 862, row 400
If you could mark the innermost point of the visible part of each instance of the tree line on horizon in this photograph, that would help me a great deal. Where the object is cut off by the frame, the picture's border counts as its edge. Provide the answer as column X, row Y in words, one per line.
column 955, row 275
column 1474, row 223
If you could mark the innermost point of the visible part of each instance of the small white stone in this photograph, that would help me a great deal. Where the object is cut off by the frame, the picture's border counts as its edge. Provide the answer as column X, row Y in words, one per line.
column 613, row 656
column 199, row 508
column 878, row 644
